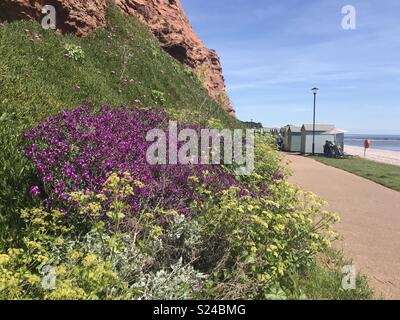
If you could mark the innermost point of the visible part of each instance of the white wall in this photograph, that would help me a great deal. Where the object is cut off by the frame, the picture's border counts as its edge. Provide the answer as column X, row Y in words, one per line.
column 307, row 141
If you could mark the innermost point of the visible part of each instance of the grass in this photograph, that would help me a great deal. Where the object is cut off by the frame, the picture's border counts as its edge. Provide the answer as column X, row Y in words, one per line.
column 121, row 64
column 384, row 174
column 323, row 280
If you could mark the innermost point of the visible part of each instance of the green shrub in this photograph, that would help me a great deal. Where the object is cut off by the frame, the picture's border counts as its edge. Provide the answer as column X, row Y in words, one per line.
column 74, row 52
column 252, row 244
column 78, row 274
column 158, row 97
column 189, row 72
column 255, row 243
column 103, row 262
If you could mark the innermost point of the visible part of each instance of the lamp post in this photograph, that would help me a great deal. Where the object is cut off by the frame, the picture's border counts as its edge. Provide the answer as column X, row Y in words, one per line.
column 314, row 91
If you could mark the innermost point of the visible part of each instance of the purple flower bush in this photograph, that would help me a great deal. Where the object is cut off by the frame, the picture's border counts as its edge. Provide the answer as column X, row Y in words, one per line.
column 77, row 151
column 35, row 191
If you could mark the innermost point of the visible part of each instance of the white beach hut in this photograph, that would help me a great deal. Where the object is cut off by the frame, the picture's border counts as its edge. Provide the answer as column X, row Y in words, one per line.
column 339, row 137
column 320, row 137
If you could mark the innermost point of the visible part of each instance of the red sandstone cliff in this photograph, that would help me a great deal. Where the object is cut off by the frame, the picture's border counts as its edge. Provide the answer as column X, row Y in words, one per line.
column 166, row 19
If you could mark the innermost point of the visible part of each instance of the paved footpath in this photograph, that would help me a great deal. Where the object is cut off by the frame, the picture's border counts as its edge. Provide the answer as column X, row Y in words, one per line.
column 370, row 220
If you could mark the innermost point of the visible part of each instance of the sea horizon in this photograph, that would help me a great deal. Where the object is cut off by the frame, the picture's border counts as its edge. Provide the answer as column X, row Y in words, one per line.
column 390, row 142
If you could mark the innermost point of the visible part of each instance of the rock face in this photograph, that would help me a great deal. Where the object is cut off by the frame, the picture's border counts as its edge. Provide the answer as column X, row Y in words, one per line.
column 166, row 19
column 79, row 16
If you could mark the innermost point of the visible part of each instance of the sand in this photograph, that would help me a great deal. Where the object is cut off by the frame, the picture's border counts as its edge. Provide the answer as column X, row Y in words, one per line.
column 390, row 157
column 370, row 220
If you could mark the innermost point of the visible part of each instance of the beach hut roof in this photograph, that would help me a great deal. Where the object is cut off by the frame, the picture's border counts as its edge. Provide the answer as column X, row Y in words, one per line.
column 295, row 129
column 334, row 132
column 318, row 127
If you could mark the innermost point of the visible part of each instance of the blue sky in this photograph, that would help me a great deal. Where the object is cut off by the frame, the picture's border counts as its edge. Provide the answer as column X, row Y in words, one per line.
column 274, row 52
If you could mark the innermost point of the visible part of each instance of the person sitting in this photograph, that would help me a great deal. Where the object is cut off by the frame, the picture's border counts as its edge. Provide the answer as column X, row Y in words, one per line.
column 329, row 150
column 338, row 152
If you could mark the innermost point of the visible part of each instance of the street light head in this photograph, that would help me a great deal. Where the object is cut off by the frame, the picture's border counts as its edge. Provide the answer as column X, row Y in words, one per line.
column 315, row 90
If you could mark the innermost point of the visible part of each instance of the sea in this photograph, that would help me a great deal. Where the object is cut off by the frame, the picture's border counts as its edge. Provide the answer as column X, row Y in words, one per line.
column 382, row 142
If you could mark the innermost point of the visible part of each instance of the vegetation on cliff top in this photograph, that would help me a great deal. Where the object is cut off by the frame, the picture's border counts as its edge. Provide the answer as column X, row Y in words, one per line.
column 43, row 73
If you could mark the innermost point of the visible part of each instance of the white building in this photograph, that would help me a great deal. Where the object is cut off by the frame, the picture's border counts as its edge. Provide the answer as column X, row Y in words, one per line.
column 320, row 137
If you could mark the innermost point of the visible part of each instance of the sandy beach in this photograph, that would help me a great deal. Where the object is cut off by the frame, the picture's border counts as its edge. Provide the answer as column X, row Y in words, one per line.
column 390, row 157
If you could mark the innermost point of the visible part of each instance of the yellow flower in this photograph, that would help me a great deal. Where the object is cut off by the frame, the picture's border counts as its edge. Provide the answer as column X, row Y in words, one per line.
column 264, row 277
column 272, row 248
column 41, row 258
column 149, row 215
column 61, row 270
column 89, row 260
column 281, row 268
column 194, row 179
column 4, row 258
column 75, row 255
column 127, row 191
column 94, row 207
column 32, row 278
column 15, row 252
column 101, row 197
column 156, row 232
column 33, row 244
column 138, row 183
column 279, row 227
column 127, row 176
